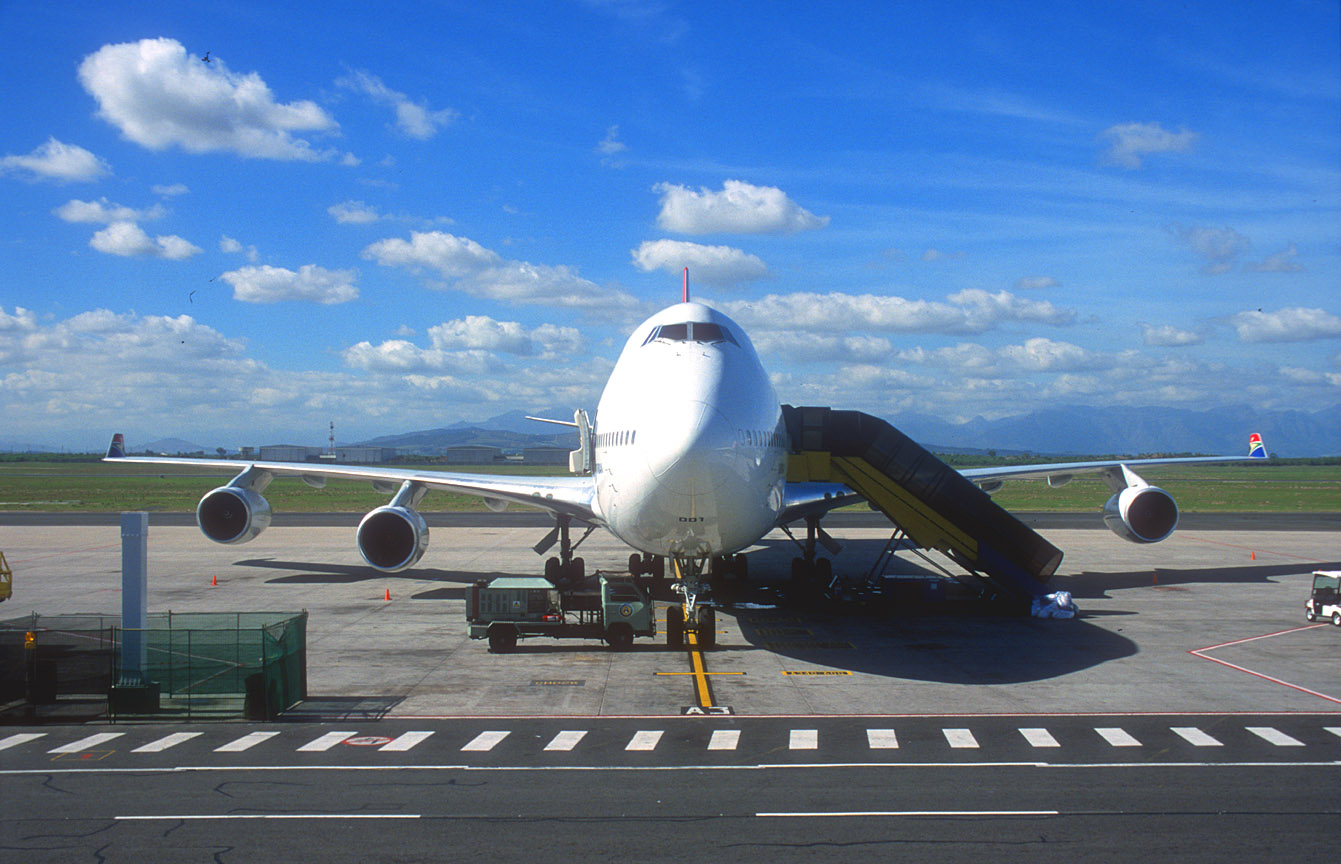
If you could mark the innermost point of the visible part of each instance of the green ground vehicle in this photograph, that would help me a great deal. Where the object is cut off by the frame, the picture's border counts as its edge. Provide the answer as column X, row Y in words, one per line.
column 514, row 607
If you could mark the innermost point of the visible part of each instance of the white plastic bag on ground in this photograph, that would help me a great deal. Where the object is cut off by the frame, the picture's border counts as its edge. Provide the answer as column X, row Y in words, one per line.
column 1057, row 605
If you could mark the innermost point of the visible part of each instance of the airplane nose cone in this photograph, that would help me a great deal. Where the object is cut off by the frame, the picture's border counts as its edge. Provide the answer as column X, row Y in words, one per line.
column 689, row 449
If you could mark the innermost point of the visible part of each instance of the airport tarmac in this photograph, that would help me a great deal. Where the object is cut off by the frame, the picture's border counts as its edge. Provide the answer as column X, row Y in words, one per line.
column 1210, row 620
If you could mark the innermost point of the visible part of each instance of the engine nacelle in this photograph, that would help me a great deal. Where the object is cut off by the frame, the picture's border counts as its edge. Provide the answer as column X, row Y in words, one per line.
column 392, row 538
column 232, row 514
column 1141, row 514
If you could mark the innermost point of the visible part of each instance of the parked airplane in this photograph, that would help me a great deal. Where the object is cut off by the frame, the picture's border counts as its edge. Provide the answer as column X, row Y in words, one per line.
column 686, row 460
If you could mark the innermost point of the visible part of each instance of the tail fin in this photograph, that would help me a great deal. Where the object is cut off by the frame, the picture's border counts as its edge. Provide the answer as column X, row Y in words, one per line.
column 117, row 449
column 1256, row 449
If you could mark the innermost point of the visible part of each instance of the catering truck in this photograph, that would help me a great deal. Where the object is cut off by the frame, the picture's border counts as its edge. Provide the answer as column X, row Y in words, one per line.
column 1325, row 601
column 513, row 607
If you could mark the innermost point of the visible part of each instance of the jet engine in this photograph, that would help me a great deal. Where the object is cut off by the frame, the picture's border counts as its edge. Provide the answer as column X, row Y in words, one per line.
column 1141, row 514
column 393, row 538
column 233, row 514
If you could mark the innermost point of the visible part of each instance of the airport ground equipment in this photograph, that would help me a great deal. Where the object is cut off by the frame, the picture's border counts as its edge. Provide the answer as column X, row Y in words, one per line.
column 6, row 579
column 1325, row 601
column 934, row 505
column 514, row 607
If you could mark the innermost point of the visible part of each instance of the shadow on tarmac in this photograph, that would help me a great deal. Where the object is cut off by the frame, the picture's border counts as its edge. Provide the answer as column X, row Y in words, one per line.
column 1093, row 585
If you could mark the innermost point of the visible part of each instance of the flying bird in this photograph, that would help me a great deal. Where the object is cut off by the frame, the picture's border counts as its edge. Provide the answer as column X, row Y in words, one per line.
column 206, row 58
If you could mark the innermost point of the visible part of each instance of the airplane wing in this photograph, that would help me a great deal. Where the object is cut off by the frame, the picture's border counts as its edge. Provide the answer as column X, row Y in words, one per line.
column 1058, row 473
column 569, row 496
column 804, row 499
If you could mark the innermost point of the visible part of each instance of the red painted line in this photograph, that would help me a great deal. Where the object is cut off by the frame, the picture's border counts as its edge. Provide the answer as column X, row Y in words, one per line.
column 1247, row 548
column 64, row 554
column 1199, row 652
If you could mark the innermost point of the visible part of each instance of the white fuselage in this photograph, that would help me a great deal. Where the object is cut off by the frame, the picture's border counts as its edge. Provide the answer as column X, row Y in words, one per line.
column 690, row 453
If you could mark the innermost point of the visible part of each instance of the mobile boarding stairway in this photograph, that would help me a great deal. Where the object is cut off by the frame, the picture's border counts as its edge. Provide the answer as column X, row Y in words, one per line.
column 930, row 502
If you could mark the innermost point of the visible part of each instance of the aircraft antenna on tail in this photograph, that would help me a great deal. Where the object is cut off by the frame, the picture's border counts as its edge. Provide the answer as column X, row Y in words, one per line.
column 684, row 297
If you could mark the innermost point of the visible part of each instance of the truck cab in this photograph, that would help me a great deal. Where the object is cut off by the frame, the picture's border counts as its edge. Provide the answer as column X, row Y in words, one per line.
column 1325, row 601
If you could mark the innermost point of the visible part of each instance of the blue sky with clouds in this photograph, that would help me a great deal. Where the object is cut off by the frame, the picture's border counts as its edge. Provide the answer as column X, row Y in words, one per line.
column 401, row 216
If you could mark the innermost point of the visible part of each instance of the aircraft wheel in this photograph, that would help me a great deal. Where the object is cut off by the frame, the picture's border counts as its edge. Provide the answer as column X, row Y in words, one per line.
column 577, row 570
column 659, row 567
column 635, row 564
column 707, row 628
column 675, row 627
column 552, row 568
column 824, row 571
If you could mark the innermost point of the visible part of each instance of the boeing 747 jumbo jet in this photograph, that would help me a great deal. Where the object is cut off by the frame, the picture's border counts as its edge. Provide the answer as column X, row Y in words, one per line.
column 692, row 459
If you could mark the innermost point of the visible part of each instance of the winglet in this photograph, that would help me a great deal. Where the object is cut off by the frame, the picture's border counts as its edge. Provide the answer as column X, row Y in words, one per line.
column 684, row 296
column 117, row 449
column 1256, row 449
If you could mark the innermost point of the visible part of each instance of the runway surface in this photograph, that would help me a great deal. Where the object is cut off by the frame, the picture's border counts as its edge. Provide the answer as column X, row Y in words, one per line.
column 1189, row 712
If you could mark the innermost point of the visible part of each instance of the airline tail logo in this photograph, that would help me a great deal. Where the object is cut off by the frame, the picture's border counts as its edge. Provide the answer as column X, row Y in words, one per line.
column 1256, row 449
column 118, row 448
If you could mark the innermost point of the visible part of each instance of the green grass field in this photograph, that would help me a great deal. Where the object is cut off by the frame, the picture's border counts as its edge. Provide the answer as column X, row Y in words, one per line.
column 96, row 486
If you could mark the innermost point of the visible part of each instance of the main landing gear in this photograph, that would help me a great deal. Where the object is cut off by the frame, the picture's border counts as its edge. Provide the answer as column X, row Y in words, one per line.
column 564, row 569
column 810, row 572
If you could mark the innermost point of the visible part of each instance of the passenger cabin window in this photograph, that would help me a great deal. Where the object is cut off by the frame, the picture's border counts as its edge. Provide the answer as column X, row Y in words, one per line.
column 691, row 331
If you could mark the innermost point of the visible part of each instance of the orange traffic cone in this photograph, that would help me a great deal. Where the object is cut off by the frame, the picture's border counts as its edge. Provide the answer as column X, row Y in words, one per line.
column 214, row 581
column 388, row 594
column 1254, row 557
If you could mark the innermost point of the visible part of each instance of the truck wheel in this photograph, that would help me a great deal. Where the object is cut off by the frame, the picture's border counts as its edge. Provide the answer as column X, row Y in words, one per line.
column 675, row 627
column 1336, row 618
column 619, row 637
column 707, row 628
column 502, row 640
column 1308, row 613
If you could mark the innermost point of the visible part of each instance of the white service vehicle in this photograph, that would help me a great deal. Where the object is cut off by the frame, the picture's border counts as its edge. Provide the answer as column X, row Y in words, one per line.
column 1325, row 601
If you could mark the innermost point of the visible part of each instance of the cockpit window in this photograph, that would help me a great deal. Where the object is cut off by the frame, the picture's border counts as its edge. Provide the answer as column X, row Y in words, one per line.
column 691, row 331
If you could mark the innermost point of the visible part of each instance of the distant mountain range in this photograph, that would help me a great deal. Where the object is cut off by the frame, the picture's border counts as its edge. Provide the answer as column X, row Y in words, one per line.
column 1062, row 431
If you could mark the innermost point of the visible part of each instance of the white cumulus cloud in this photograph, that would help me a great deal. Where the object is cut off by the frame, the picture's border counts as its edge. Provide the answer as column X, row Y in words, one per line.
column 56, row 160
column 1282, row 262
column 105, row 212
column 1292, row 324
column 482, row 272
column 1221, row 247
column 721, row 266
column 266, row 284
column 739, row 208
column 971, row 311
column 412, row 118
column 353, row 213
column 160, row 96
column 1168, row 336
column 1128, row 142
column 130, row 241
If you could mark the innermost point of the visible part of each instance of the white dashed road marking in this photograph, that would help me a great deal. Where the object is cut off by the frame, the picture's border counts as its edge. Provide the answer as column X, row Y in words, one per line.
column 1195, row 736
column 1117, row 737
column 882, row 739
column 165, row 742
column 86, row 743
column 1274, row 736
column 246, row 742
column 960, row 739
column 566, row 740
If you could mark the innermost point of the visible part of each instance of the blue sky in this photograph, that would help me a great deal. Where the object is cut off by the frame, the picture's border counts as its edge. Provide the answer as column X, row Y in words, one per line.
column 401, row 216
